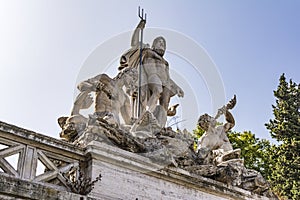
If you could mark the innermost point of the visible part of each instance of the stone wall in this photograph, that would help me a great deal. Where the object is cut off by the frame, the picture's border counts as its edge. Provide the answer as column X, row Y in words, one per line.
column 125, row 175
column 131, row 176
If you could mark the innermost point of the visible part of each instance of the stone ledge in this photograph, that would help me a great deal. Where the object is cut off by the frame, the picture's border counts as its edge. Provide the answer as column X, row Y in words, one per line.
column 14, row 188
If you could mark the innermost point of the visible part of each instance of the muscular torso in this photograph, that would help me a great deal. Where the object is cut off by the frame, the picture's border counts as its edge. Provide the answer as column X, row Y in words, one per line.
column 156, row 68
column 103, row 102
column 215, row 138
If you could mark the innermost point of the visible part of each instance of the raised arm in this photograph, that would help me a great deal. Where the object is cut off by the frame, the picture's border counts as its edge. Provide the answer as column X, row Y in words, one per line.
column 89, row 85
column 230, row 122
column 135, row 36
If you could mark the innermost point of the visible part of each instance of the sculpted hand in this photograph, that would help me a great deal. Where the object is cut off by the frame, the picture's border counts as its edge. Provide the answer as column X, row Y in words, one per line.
column 180, row 92
column 142, row 24
column 221, row 111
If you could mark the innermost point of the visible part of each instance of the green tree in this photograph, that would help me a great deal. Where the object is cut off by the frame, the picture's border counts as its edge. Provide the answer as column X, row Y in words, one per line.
column 254, row 151
column 198, row 132
column 285, row 128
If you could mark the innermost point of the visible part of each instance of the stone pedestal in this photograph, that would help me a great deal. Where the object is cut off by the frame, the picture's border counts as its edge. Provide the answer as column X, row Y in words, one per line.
column 127, row 175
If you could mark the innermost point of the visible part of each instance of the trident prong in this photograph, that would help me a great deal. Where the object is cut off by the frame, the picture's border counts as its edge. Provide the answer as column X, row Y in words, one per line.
column 141, row 14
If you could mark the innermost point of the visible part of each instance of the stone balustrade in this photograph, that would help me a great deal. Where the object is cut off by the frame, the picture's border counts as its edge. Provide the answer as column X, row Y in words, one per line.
column 38, row 160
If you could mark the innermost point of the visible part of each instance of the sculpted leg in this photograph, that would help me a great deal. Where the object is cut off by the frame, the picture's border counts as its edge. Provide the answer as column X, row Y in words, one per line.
column 126, row 112
column 164, row 99
column 156, row 91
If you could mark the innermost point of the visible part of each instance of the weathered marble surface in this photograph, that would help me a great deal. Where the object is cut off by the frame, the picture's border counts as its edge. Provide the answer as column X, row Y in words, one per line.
column 171, row 149
column 142, row 178
column 16, row 189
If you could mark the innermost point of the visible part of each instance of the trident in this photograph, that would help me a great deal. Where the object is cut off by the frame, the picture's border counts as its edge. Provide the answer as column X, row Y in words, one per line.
column 142, row 17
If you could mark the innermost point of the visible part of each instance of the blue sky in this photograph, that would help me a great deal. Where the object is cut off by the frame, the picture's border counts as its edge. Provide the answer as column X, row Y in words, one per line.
column 44, row 45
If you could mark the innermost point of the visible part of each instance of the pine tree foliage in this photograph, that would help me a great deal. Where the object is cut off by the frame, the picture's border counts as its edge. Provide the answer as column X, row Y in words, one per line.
column 286, row 125
column 285, row 128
